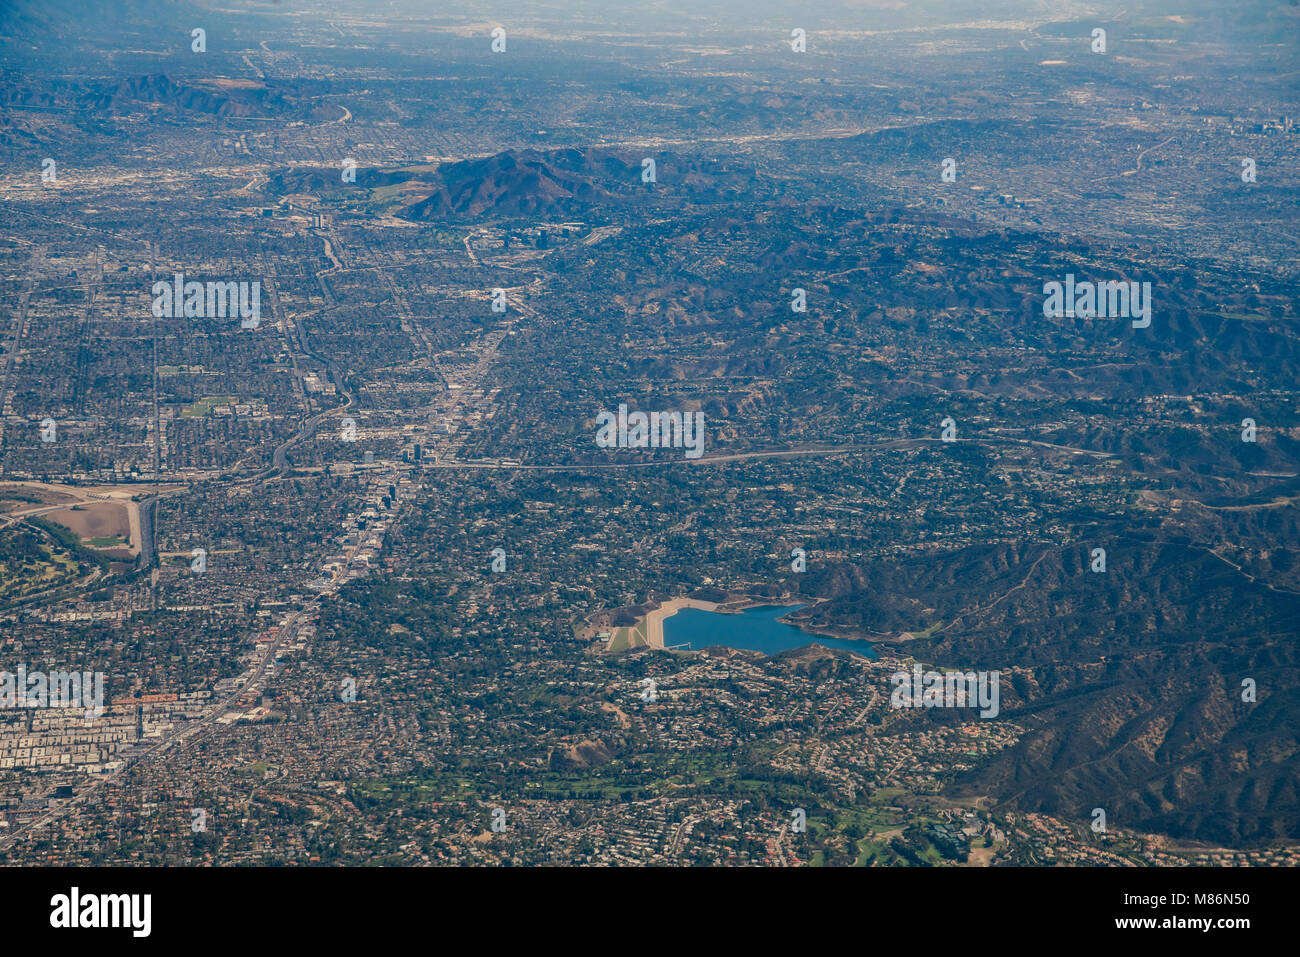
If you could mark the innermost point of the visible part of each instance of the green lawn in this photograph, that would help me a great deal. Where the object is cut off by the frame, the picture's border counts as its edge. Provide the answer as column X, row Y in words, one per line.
column 204, row 406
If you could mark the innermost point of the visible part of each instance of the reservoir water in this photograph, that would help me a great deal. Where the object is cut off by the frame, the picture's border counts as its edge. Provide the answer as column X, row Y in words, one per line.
column 755, row 629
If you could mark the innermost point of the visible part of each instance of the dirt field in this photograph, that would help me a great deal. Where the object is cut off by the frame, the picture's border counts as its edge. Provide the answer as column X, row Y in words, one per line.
column 15, row 496
column 104, row 513
column 650, row 631
column 100, row 520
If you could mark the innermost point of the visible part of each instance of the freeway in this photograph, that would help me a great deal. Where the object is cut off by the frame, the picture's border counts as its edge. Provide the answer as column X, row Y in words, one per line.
column 759, row 454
